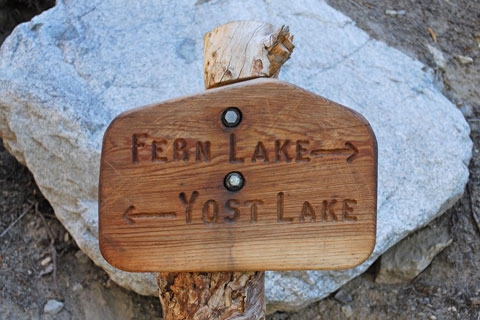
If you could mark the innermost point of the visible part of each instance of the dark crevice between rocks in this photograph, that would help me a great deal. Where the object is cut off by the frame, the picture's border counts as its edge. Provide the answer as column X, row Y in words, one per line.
column 14, row 12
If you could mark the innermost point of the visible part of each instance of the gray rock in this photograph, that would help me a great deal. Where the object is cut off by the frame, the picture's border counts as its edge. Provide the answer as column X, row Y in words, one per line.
column 53, row 307
column 438, row 57
column 77, row 287
column 343, row 296
column 66, row 74
column 81, row 257
column 467, row 110
column 395, row 13
column 347, row 311
column 464, row 59
column 407, row 259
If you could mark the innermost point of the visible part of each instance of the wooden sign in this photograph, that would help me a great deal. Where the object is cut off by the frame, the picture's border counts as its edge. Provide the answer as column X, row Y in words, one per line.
column 259, row 175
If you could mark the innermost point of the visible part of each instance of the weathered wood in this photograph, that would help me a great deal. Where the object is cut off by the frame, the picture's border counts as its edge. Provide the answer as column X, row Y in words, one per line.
column 243, row 50
column 212, row 295
column 309, row 201
column 248, row 294
column 285, row 216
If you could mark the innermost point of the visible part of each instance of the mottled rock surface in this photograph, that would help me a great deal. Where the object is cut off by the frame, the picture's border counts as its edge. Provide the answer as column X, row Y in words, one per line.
column 412, row 255
column 65, row 75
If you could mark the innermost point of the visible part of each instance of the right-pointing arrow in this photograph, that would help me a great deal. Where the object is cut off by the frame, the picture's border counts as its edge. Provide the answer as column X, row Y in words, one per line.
column 350, row 151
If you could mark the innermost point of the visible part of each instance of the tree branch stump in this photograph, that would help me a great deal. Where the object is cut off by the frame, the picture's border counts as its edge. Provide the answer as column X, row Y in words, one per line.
column 236, row 51
column 243, row 50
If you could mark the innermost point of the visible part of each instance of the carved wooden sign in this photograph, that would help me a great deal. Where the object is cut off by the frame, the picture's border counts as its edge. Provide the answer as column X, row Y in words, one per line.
column 259, row 175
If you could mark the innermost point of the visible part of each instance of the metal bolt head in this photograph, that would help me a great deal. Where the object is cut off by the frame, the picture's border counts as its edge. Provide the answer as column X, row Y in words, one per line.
column 234, row 181
column 231, row 117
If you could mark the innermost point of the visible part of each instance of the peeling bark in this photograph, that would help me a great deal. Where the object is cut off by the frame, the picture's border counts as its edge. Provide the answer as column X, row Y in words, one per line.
column 243, row 50
column 212, row 295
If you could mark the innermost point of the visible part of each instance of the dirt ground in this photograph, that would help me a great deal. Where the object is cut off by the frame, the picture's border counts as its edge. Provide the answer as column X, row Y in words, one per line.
column 448, row 289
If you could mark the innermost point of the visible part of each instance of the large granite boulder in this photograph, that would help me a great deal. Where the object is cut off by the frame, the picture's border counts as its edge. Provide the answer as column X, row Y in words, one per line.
column 66, row 74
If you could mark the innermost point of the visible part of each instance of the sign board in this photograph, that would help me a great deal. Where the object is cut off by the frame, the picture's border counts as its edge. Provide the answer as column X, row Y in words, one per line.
column 259, row 175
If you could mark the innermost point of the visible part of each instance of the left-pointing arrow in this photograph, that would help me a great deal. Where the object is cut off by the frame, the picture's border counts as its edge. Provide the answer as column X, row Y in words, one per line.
column 131, row 214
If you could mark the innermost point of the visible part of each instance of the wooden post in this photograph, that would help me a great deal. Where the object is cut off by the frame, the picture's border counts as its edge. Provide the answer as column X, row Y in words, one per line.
column 236, row 51
column 212, row 295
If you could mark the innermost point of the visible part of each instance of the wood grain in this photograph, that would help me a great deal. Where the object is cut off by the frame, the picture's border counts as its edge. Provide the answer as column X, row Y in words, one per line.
column 306, row 204
column 243, row 50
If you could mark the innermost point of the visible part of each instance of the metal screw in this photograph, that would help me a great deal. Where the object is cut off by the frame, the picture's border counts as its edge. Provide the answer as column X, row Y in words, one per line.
column 234, row 181
column 231, row 117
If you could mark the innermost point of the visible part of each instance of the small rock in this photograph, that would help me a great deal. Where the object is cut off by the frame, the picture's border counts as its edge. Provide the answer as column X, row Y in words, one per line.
column 475, row 301
column 438, row 57
column 77, row 287
column 432, row 317
column 45, row 261
column 452, row 309
column 347, row 311
column 412, row 255
column 467, row 110
column 464, row 60
column 395, row 13
column 47, row 270
column 108, row 283
column 343, row 296
column 53, row 307
column 66, row 237
column 81, row 257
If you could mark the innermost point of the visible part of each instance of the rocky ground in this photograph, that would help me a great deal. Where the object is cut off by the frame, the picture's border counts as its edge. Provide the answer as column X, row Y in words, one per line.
column 448, row 289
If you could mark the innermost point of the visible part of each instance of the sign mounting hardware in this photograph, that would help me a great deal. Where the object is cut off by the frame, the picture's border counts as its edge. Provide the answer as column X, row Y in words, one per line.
column 231, row 117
